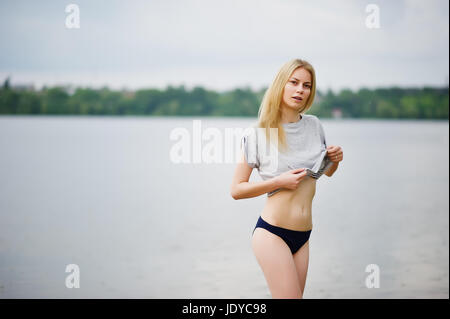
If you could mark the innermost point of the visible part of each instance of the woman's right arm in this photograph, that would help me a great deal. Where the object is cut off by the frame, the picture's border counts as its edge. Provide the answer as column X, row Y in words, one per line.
column 241, row 188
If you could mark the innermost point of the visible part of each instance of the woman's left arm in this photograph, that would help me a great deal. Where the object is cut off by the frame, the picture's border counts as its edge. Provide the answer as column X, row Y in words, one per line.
column 335, row 154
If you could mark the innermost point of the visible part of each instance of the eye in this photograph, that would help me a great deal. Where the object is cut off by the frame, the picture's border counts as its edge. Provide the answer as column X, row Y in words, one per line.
column 293, row 82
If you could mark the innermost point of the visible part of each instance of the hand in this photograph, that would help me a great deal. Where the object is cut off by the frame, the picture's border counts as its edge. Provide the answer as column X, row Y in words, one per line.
column 292, row 178
column 335, row 153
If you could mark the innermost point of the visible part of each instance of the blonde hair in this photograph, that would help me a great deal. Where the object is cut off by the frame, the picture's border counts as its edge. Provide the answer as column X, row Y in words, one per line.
column 269, row 114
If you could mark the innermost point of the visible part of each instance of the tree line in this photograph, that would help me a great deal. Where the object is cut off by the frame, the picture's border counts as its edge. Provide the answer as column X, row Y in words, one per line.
column 394, row 102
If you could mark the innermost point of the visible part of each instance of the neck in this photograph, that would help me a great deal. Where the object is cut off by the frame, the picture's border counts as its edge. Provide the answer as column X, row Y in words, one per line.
column 290, row 116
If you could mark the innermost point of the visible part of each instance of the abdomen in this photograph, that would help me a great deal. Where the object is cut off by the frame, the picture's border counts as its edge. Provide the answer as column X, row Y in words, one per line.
column 292, row 209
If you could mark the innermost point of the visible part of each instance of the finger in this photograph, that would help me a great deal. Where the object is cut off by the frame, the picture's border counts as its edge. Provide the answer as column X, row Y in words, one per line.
column 331, row 151
column 333, row 155
column 298, row 170
column 334, row 158
column 301, row 175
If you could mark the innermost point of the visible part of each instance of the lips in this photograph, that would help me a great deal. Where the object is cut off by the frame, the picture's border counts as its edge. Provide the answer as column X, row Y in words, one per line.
column 298, row 98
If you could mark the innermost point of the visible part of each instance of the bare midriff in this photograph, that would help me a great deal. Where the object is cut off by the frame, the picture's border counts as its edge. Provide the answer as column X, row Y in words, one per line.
column 291, row 209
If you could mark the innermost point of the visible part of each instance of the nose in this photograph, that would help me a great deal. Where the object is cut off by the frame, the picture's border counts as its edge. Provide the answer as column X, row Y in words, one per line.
column 300, row 89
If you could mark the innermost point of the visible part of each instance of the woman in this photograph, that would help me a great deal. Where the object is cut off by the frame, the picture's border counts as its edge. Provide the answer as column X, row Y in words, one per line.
column 280, row 240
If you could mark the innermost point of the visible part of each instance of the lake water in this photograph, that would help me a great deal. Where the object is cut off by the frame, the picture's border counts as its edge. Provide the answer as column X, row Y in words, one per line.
column 104, row 194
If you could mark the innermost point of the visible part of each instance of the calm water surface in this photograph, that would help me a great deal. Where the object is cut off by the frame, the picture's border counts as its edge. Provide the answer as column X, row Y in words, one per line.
column 103, row 193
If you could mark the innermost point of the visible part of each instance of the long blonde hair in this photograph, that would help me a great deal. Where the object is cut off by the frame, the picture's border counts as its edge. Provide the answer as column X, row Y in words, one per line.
column 269, row 114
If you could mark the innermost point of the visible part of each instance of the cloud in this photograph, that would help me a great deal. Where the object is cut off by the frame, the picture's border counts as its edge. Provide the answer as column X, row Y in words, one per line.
column 222, row 44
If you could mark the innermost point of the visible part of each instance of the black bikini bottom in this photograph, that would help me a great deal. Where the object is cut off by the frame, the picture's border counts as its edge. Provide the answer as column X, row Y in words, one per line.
column 293, row 238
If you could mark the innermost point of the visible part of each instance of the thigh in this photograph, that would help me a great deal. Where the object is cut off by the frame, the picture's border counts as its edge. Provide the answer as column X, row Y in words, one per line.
column 301, row 260
column 277, row 264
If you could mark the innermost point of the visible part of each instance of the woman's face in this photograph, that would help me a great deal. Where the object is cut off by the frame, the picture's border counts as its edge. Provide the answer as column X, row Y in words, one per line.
column 297, row 89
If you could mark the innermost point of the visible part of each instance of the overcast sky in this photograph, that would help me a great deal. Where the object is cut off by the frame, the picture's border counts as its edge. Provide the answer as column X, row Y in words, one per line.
column 224, row 44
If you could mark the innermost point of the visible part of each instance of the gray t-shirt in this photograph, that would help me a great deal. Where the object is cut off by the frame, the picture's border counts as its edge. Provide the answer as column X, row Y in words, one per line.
column 306, row 149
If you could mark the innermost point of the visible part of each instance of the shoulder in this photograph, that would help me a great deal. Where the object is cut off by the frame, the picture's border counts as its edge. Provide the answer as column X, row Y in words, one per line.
column 250, row 134
column 312, row 120
column 311, row 117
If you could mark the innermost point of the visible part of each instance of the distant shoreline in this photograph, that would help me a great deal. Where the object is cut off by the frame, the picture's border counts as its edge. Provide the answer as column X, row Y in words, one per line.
column 168, row 117
column 381, row 103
